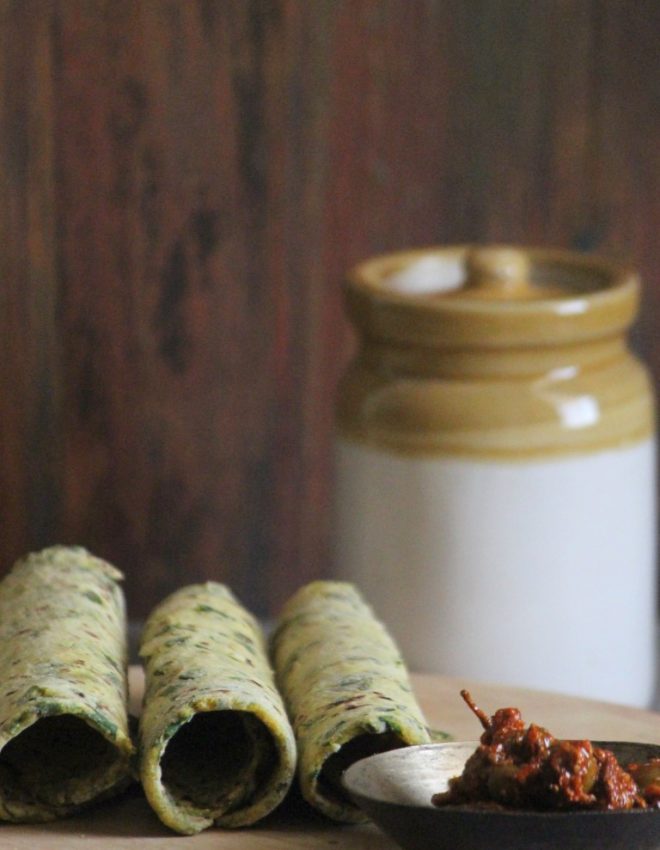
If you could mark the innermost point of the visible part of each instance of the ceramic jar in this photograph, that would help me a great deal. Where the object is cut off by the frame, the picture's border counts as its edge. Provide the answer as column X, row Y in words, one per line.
column 495, row 489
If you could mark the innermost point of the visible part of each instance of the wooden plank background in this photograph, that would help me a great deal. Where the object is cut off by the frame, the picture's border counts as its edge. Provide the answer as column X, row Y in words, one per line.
column 185, row 182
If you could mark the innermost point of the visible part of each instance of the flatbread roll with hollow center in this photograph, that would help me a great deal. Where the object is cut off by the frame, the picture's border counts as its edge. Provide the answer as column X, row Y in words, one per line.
column 346, row 688
column 64, row 739
column 216, row 746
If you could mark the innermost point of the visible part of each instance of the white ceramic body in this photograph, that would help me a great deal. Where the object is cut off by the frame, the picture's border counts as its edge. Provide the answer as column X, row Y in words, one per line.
column 529, row 572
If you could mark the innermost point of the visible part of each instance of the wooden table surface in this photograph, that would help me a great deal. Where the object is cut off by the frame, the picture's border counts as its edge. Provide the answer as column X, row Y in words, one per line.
column 129, row 823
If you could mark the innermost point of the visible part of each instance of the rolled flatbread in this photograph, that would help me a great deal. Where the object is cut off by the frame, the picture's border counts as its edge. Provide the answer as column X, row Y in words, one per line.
column 216, row 745
column 64, row 739
column 346, row 689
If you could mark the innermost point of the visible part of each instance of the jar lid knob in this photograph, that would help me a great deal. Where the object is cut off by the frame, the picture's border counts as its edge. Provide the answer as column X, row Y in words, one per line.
column 498, row 271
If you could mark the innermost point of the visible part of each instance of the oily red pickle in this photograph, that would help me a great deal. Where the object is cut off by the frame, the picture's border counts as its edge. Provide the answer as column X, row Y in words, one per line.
column 528, row 768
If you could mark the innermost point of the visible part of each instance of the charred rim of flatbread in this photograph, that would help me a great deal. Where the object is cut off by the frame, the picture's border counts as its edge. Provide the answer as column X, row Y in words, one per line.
column 57, row 760
column 360, row 747
column 213, row 751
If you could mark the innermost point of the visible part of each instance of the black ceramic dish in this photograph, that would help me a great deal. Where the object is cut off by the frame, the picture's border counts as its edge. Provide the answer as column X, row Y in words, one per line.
column 394, row 789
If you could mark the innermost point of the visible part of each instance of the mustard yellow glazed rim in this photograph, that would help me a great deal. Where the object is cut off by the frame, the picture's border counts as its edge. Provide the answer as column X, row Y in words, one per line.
column 494, row 352
column 491, row 296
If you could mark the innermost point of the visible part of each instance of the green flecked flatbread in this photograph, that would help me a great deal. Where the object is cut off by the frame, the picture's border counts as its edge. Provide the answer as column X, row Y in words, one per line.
column 64, row 739
column 216, row 745
column 346, row 689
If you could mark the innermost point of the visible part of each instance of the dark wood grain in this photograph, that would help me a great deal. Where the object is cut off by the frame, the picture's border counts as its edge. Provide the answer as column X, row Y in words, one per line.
column 30, row 355
column 185, row 183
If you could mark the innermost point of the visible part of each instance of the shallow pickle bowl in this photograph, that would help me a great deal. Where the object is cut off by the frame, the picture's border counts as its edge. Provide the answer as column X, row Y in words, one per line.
column 395, row 788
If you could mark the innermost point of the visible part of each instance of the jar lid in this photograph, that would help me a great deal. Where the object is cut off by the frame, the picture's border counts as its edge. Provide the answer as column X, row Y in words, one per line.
column 491, row 297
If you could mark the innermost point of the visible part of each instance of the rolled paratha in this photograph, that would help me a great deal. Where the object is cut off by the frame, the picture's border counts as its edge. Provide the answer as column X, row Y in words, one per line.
column 64, row 739
column 216, row 746
column 346, row 689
